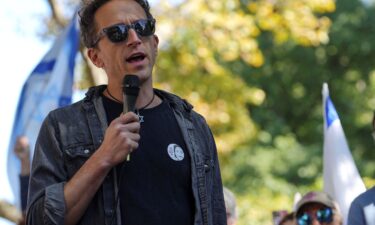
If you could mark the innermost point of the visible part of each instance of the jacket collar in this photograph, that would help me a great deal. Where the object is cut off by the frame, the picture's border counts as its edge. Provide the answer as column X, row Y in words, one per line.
column 173, row 100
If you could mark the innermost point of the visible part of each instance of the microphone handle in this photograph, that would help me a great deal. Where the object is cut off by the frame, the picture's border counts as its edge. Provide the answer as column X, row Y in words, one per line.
column 129, row 103
column 125, row 108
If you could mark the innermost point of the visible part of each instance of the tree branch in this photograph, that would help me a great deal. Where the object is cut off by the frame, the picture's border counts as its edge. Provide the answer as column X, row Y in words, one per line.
column 57, row 13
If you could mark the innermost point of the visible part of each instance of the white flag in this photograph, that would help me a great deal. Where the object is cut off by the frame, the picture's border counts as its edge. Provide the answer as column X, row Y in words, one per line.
column 341, row 178
column 48, row 87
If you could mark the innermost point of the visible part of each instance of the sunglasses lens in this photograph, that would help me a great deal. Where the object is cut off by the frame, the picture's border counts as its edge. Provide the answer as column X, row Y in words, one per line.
column 117, row 33
column 144, row 27
column 304, row 219
column 325, row 215
column 322, row 215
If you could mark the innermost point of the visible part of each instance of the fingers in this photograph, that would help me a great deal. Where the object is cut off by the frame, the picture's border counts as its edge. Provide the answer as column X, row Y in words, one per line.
column 128, row 117
column 130, row 140
column 132, row 145
column 126, row 122
column 133, row 127
column 121, row 137
column 21, row 148
column 23, row 141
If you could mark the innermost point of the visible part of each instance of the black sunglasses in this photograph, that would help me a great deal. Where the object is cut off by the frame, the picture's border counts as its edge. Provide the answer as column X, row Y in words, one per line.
column 324, row 215
column 119, row 32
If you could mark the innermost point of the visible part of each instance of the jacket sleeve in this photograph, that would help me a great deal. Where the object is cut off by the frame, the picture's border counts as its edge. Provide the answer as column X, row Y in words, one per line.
column 219, row 216
column 219, row 212
column 24, row 187
column 46, row 204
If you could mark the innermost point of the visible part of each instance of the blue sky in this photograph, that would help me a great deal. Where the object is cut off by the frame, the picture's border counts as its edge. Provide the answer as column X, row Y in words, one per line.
column 21, row 50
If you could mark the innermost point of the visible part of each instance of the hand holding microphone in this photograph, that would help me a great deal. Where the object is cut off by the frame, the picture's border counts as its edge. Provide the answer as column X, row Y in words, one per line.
column 122, row 134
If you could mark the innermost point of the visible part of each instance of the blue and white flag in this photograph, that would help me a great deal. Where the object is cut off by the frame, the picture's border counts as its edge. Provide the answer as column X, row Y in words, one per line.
column 340, row 174
column 48, row 87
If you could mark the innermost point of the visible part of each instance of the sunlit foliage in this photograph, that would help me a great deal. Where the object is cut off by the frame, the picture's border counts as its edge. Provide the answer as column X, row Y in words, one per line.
column 199, row 38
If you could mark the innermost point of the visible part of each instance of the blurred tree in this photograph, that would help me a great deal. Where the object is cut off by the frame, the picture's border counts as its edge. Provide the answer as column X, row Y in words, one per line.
column 204, row 37
column 287, row 154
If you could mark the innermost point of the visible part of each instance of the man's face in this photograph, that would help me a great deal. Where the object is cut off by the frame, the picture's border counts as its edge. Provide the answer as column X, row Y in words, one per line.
column 316, row 214
column 134, row 55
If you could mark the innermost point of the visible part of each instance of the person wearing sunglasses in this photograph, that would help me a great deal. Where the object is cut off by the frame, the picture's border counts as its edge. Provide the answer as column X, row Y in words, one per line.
column 81, row 171
column 362, row 208
column 317, row 208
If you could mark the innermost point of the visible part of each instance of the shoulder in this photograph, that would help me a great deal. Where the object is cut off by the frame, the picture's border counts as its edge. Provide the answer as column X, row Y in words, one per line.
column 357, row 208
column 77, row 108
column 366, row 197
column 174, row 100
column 185, row 109
column 66, row 111
column 180, row 104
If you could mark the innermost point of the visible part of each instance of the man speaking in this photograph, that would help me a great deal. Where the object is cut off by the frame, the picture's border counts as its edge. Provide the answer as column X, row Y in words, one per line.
column 96, row 163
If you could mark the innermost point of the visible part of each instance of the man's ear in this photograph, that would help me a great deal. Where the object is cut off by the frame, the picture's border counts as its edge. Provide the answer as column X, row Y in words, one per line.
column 156, row 43
column 95, row 59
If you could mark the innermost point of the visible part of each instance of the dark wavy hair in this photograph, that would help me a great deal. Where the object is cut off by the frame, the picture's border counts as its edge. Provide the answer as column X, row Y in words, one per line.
column 87, row 18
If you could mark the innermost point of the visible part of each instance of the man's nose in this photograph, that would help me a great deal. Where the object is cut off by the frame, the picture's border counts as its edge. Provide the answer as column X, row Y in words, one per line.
column 133, row 38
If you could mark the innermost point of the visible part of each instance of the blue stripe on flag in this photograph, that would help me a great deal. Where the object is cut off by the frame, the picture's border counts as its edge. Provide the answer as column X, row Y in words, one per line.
column 331, row 114
column 65, row 100
column 44, row 67
column 74, row 44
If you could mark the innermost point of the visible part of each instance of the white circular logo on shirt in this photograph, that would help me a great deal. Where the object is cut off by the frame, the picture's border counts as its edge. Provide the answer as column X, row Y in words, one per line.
column 175, row 152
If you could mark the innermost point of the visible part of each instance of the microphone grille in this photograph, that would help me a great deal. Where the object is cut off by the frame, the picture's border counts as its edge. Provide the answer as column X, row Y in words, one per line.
column 130, row 85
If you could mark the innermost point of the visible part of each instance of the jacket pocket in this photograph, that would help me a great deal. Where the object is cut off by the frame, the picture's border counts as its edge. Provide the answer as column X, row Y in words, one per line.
column 76, row 156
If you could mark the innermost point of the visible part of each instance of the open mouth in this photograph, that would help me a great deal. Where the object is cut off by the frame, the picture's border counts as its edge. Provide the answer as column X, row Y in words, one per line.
column 137, row 57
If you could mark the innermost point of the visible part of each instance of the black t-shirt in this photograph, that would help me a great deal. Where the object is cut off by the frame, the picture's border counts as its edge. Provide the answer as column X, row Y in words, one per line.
column 155, row 186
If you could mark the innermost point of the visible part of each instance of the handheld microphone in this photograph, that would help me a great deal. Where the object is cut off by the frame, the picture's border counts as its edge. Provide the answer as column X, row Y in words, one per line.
column 130, row 90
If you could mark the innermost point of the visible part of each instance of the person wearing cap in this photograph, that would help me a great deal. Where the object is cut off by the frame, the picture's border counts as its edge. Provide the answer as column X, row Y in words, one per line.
column 318, row 208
